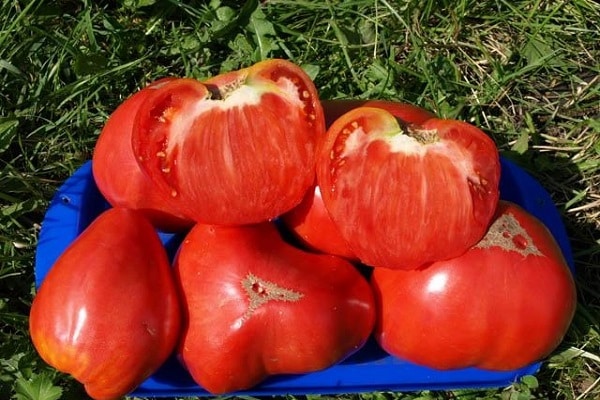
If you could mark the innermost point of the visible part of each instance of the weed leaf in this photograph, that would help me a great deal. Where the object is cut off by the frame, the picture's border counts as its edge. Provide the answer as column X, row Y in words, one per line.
column 38, row 387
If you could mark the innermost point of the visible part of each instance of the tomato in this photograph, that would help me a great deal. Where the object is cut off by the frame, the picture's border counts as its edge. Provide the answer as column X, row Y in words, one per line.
column 117, row 173
column 310, row 221
column 406, row 195
column 108, row 311
column 238, row 148
column 505, row 303
column 256, row 306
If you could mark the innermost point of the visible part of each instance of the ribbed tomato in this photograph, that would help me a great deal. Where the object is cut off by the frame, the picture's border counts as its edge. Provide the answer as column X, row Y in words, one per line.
column 238, row 148
column 256, row 306
column 108, row 312
column 404, row 195
column 505, row 303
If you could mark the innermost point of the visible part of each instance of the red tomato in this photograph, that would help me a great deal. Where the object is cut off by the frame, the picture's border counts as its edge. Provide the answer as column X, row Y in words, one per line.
column 505, row 303
column 403, row 196
column 257, row 306
column 117, row 173
column 107, row 312
column 310, row 221
column 236, row 149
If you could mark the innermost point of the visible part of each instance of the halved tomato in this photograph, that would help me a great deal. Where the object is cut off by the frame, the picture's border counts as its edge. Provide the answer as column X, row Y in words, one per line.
column 236, row 149
column 405, row 195
column 310, row 221
column 117, row 173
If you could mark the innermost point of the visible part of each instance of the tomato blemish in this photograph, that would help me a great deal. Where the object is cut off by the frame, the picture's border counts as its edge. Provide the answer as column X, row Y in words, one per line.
column 259, row 289
column 261, row 292
column 520, row 242
column 507, row 233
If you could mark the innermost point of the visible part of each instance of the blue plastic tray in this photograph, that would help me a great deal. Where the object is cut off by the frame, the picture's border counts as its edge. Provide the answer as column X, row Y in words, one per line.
column 78, row 202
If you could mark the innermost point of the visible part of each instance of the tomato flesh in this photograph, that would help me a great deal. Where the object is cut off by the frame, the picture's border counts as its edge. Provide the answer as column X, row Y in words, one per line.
column 405, row 196
column 238, row 148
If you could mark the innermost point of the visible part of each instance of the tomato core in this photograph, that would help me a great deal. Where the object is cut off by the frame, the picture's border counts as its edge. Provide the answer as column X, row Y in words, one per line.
column 223, row 91
column 423, row 136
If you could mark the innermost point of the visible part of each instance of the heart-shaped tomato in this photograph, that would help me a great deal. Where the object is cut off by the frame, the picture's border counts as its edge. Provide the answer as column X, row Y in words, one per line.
column 403, row 195
column 256, row 306
column 117, row 173
column 108, row 311
column 310, row 221
column 238, row 148
column 505, row 303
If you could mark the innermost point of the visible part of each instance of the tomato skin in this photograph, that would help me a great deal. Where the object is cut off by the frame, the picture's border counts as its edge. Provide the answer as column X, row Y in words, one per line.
column 118, row 174
column 108, row 311
column 310, row 221
column 407, row 112
column 311, row 224
column 404, row 196
column 256, row 306
column 493, row 307
column 236, row 149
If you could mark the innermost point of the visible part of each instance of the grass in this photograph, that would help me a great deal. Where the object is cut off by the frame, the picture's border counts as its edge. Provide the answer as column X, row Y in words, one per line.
column 526, row 72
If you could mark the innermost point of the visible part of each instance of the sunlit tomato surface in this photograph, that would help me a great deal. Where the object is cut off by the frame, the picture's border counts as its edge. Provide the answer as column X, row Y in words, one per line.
column 117, row 173
column 238, row 148
column 310, row 220
column 405, row 195
column 505, row 303
column 107, row 312
column 312, row 226
column 255, row 306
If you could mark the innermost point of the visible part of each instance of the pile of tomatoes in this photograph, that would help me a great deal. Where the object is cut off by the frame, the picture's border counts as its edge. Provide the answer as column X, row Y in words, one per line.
column 398, row 232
